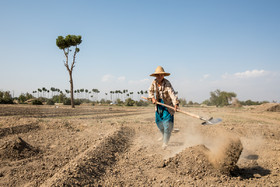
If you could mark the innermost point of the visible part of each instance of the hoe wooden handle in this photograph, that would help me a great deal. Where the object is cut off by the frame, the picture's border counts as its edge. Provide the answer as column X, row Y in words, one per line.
column 184, row 112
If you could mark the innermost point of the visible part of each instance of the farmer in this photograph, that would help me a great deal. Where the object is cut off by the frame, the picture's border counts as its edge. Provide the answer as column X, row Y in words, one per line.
column 164, row 92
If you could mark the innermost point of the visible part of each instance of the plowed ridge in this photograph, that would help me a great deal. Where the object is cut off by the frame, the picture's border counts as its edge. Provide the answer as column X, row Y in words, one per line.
column 18, row 129
column 89, row 166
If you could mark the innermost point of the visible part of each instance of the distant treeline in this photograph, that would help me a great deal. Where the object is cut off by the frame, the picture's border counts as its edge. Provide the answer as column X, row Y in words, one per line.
column 220, row 98
column 250, row 102
column 6, row 98
column 217, row 98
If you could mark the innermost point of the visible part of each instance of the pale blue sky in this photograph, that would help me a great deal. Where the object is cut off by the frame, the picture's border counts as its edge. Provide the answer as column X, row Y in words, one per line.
column 205, row 45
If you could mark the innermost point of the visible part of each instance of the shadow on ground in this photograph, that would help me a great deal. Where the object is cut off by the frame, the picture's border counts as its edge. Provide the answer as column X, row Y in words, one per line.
column 252, row 172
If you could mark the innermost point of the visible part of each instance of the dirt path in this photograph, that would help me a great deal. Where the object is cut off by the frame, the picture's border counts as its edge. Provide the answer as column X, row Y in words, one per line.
column 117, row 146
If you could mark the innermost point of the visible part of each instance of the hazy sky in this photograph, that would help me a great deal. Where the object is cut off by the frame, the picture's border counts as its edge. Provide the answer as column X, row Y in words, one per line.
column 231, row 45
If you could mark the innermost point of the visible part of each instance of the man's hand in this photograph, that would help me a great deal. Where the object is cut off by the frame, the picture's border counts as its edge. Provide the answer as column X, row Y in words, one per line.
column 176, row 108
column 154, row 100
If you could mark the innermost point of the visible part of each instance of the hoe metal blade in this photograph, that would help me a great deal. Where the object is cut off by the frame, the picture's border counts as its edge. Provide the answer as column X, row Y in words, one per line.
column 211, row 121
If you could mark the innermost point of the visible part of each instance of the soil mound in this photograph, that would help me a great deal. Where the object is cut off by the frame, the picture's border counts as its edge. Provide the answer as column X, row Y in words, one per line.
column 271, row 107
column 274, row 108
column 192, row 161
column 17, row 149
column 199, row 161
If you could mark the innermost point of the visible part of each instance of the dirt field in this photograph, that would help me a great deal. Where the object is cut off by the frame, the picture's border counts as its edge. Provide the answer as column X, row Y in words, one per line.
column 117, row 146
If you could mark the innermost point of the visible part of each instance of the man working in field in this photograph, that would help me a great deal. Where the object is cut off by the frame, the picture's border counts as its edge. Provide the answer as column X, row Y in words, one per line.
column 164, row 92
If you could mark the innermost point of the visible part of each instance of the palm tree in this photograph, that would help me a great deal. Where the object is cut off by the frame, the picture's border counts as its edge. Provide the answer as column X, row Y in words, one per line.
column 131, row 93
column 86, row 92
column 34, row 93
column 93, row 92
column 67, row 91
column 89, row 94
column 146, row 92
column 53, row 90
column 117, row 92
column 97, row 91
column 39, row 90
column 44, row 90
column 57, row 90
column 82, row 91
column 111, row 92
column 78, row 91
column 124, row 91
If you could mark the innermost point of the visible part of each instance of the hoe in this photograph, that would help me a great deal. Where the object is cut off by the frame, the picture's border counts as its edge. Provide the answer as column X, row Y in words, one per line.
column 210, row 121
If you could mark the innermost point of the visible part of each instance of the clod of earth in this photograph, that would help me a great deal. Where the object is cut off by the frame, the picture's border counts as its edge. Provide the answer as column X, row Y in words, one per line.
column 225, row 156
column 17, row 149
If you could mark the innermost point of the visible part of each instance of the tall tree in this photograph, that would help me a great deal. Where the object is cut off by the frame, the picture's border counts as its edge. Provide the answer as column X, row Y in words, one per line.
column 53, row 90
column 221, row 98
column 39, row 90
column 65, row 44
column 111, row 92
column 146, row 92
column 44, row 90
column 97, row 92
column 82, row 91
column 131, row 93
column 86, row 92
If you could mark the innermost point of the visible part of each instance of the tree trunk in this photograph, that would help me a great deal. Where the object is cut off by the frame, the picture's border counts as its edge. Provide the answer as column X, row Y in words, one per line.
column 71, row 90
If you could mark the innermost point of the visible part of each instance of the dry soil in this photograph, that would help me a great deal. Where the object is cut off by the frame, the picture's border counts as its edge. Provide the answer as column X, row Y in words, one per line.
column 117, row 146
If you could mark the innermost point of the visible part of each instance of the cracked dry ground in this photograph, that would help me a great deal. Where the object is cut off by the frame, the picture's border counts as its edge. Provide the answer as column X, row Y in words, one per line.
column 117, row 146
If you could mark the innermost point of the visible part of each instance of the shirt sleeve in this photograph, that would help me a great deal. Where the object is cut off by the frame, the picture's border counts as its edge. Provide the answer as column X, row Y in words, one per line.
column 173, row 96
column 152, row 90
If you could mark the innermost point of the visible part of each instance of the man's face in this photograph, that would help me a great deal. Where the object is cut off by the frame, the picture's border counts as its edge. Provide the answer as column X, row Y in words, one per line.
column 159, row 77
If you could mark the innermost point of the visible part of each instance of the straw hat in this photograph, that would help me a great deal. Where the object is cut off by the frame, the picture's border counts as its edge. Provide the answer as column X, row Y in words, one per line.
column 159, row 71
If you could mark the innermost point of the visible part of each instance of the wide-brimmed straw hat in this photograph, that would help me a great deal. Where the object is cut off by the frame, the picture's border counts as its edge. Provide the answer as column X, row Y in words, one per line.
column 160, row 71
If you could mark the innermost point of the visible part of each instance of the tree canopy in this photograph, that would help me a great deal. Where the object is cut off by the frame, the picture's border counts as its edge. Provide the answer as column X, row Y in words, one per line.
column 220, row 98
column 68, row 41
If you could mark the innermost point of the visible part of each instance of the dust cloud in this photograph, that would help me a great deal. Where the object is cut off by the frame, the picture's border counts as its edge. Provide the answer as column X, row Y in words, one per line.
column 223, row 148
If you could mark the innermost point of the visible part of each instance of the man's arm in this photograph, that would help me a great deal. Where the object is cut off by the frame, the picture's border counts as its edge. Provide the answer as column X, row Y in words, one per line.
column 151, row 92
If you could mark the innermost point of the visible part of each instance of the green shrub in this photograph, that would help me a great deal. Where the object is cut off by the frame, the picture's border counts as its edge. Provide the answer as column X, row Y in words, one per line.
column 77, row 101
column 183, row 102
column 37, row 102
column 141, row 103
column 67, row 101
column 129, row 102
column 50, row 102
column 59, row 98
